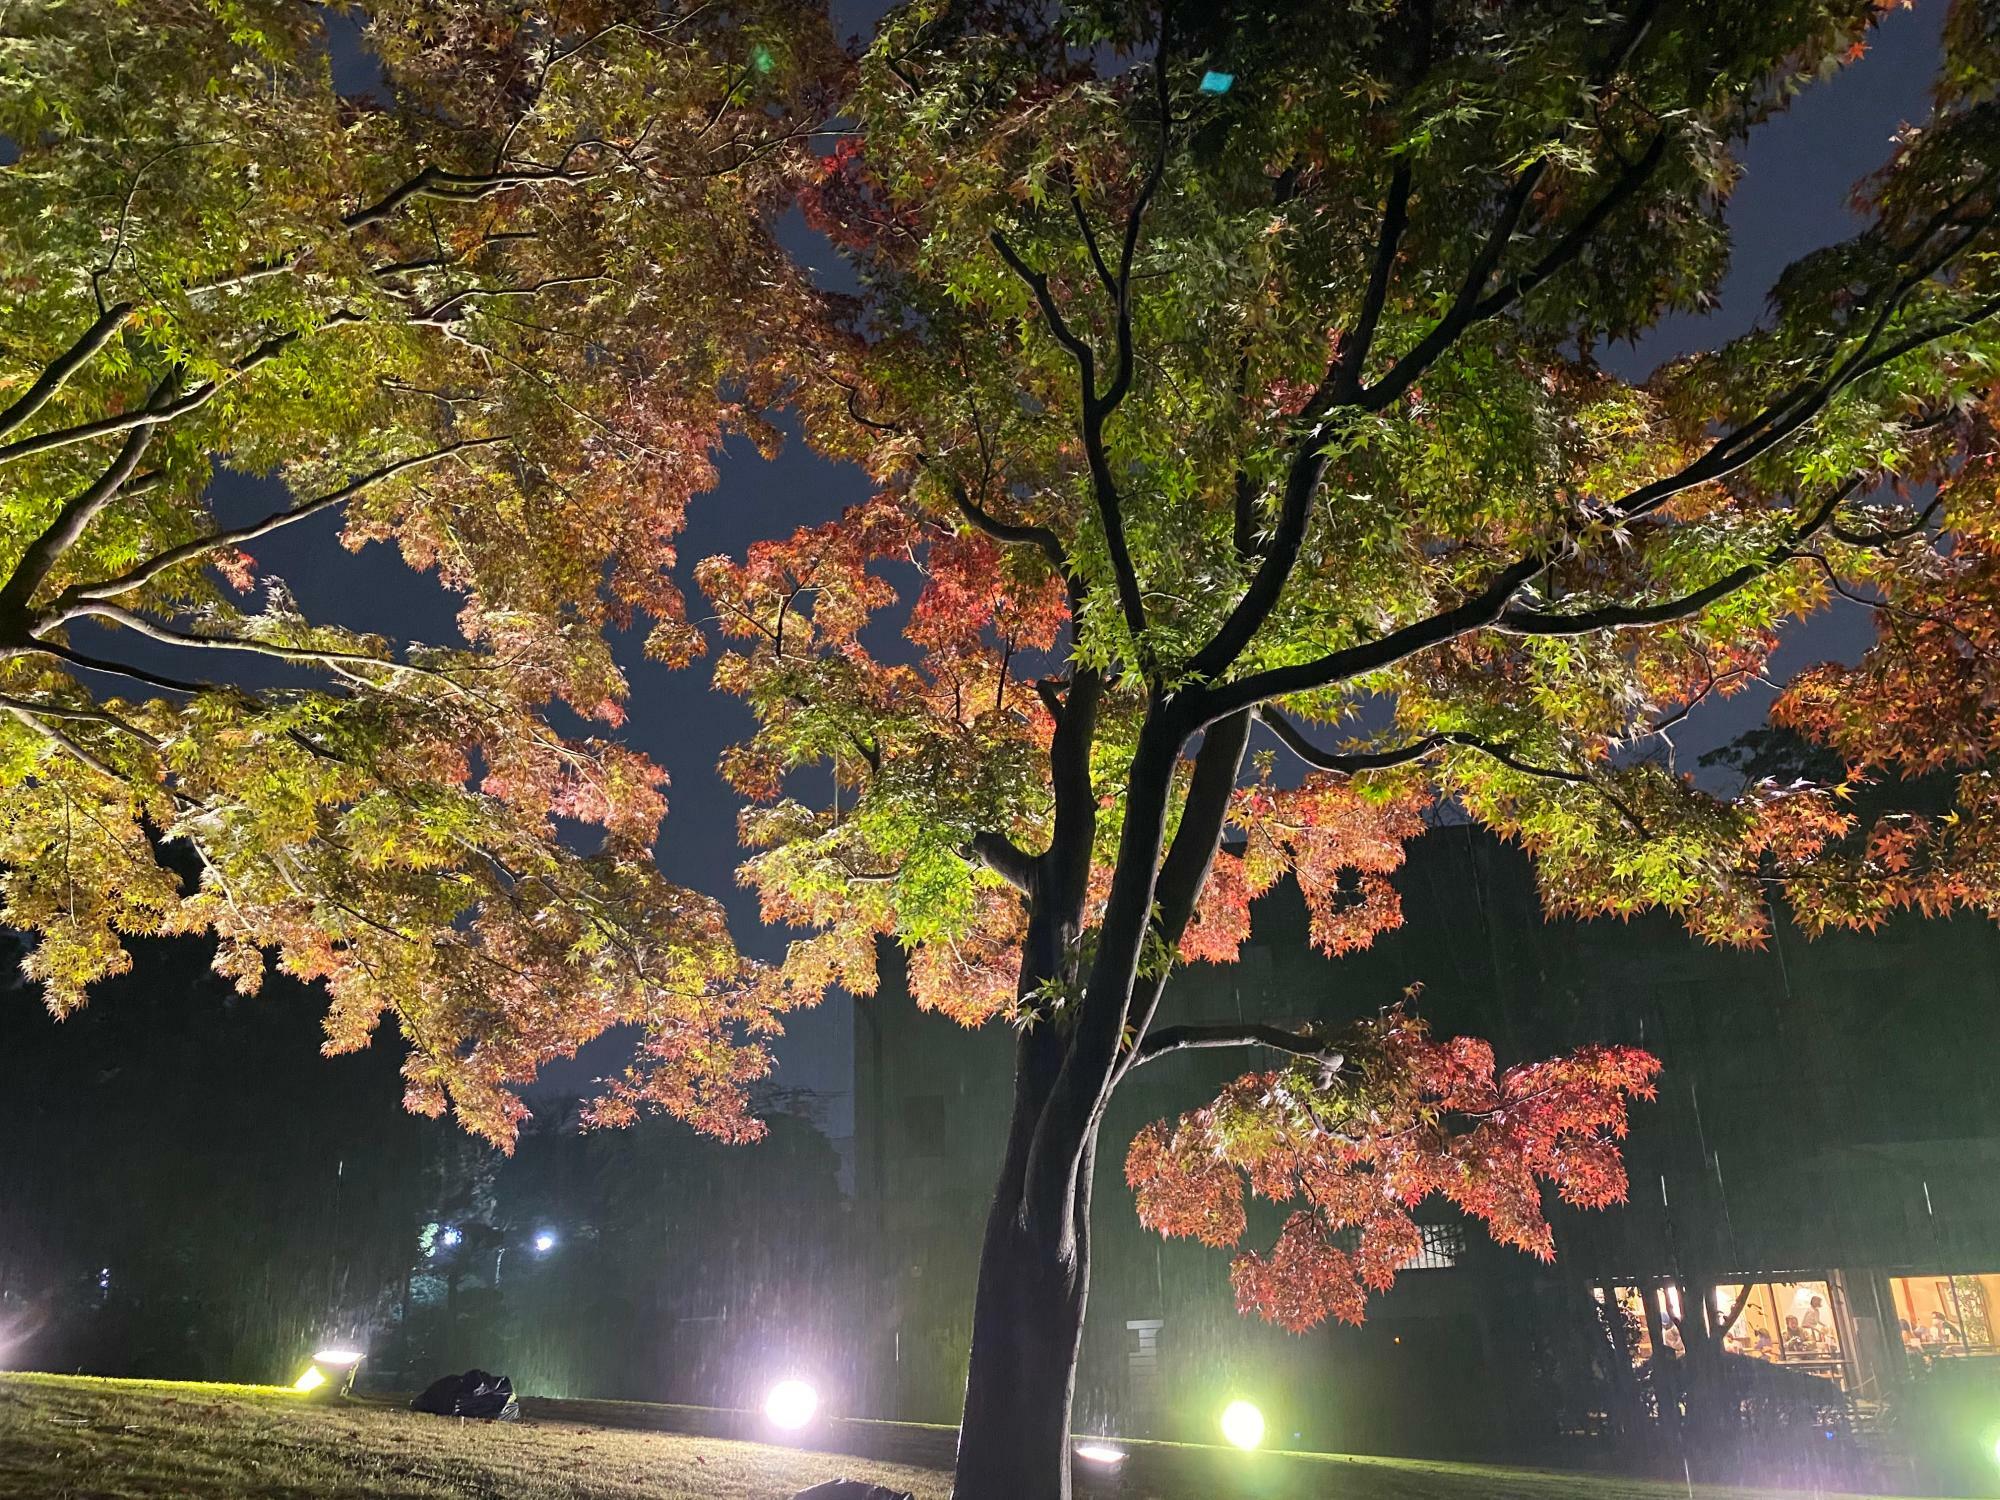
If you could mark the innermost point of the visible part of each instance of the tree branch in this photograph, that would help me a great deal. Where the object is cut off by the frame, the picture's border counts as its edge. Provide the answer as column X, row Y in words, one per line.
column 1121, row 379
column 1006, row 859
column 1009, row 532
column 66, row 364
column 1233, row 1034
column 152, row 414
column 1105, row 276
column 26, row 714
column 1789, row 413
column 1190, row 857
column 1489, row 608
column 1463, row 312
column 1474, row 303
column 1350, row 765
column 1572, row 243
column 173, row 557
column 1873, row 540
column 1068, row 858
column 1354, row 358
column 454, row 187
column 440, row 315
column 1342, row 383
column 39, row 558
column 1628, row 616
column 167, row 635
column 90, row 663
column 1477, row 612
column 1093, row 412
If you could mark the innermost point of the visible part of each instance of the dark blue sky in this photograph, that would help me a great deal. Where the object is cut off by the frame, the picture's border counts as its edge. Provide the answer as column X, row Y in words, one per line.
column 1799, row 172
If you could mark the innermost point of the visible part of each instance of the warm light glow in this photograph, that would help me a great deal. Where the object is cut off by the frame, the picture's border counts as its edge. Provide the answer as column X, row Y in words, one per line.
column 337, row 1356
column 312, row 1380
column 544, row 1242
column 791, row 1404
column 1100, row 1453
column 1243, row 1424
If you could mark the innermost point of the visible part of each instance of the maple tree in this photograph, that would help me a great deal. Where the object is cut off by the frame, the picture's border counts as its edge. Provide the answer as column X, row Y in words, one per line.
column 1226, row 366
column 1220, row 366
column 483, row 309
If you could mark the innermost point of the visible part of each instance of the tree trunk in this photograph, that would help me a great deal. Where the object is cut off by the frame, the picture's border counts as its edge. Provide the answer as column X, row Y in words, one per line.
column 1027, row 1328
column 1034, row 1263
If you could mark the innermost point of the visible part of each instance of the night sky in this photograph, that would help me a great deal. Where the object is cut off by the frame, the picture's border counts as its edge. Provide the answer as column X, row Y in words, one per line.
column 1794, row 197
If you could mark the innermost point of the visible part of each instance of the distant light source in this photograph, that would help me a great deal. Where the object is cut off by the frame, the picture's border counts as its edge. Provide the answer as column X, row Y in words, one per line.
column 761, row 59
column 545, row 1242
column 337, row 1356
column 1100, row 1453
column 791, row 1404
column 1213, row 82
column 312, row 1380
column 1243, row 1424
column 451, row 1236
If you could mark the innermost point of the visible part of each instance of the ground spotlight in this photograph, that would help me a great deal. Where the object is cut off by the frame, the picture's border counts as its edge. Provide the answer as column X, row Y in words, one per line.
column 1243, row 1424
column 791, row 1404
column 311, row 1381
column 337, row 1356
column 1103, row 1454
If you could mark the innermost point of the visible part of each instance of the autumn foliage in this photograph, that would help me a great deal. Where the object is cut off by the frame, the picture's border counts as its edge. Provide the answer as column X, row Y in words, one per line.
column 481, row 309
column 1251, row 490
column 1362, row 1142
column 1228, row 430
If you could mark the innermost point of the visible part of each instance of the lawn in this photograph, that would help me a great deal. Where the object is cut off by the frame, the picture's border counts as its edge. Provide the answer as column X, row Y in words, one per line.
column 65, row 1438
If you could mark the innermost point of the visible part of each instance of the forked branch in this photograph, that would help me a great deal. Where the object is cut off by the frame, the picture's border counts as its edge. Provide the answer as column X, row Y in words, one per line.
column 1234, row 1034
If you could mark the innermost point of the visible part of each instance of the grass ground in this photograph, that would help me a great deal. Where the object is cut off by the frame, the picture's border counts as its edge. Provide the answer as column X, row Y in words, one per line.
column 67, row 1438
column 64, row 1438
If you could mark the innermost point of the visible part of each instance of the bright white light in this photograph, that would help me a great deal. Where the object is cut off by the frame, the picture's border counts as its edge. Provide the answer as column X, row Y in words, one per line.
column 312, row 1380
column 1100, row 1453
column 1243, row 1424
column 451, row 1236
column 791, row 1404
column 544, row 1242
column 337, row 1356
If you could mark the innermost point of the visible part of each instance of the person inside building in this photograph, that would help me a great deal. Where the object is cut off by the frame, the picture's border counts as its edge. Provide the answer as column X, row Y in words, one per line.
column 1943, row 1330
column 1813, row 1322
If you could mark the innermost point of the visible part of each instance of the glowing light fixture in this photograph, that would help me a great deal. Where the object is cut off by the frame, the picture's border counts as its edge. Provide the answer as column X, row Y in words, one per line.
column 1243, row 1424
column 791, row 1404
column 337, row 1356
column 545, row 1242
column 1100, row 1453
column 451, row 1236
column 312, row 1380
column 1213, row 82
